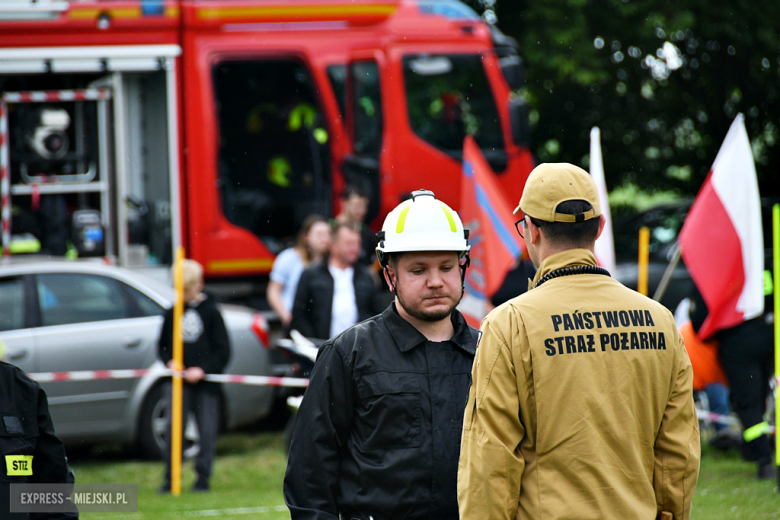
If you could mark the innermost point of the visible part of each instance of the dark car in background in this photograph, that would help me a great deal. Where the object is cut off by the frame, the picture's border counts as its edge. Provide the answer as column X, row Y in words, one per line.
column 665, row 222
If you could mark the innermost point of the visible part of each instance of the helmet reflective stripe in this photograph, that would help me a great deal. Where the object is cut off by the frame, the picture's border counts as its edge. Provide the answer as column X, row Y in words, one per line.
column 422, row 223
column 399, row 228
column 447, row 212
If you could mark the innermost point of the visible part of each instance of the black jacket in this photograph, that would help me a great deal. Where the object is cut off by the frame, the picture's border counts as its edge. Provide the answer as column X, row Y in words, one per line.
column 26, row 429
column 378, row 432
column 206, row 343
column 311, row 311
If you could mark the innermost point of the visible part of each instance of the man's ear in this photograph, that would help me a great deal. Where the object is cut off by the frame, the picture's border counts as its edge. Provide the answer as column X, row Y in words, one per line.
column 533, row 230
column 390, row 277
column 602, row 223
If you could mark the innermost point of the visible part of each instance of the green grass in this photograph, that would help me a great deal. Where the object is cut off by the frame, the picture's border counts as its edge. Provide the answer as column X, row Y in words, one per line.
column 728, row 489
column 249, row 469
column 247, row 476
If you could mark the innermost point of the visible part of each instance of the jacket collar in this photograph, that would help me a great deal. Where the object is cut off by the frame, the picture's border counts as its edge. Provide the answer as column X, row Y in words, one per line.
column 568, row 258
column 407, row 337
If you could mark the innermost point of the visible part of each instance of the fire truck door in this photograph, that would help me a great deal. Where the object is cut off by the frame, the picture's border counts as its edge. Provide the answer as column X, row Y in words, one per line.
column 274, row 155
column 147, row 194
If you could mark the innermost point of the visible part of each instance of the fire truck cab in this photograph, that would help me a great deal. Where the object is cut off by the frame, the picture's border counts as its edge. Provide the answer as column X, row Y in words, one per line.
column 130, row 127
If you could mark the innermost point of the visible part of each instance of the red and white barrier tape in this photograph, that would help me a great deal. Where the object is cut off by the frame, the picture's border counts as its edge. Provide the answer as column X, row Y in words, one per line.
column 704, row 415
column 91, row 375
column 42, row 96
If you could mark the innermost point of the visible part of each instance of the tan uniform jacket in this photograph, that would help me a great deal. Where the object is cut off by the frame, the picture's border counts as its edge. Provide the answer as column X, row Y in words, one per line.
column 581, row 406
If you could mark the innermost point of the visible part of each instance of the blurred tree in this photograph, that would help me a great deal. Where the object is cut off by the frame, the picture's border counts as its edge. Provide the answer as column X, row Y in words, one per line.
column 662, row 79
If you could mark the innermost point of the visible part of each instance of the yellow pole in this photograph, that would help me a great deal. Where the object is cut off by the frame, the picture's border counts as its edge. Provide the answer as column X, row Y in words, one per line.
column 178, row 366
column 776, row 295
column 644, row 258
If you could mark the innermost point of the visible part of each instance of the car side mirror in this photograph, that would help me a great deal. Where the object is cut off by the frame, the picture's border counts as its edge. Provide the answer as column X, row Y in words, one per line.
column 518, row 118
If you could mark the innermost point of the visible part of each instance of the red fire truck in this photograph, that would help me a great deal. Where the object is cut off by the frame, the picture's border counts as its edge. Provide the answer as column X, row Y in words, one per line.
column 128, row 127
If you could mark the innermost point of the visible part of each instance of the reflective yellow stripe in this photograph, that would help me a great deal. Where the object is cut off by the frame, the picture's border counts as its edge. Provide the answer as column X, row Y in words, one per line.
column 172, row 11
column 399, row 228
column 115, row 12
column 249, row 264
column 309, row 11
column 453, row 227
column 18, row 465
column 756, row 431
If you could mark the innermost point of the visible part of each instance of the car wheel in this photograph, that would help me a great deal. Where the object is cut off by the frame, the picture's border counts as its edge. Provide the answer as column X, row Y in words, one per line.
column 154, row 423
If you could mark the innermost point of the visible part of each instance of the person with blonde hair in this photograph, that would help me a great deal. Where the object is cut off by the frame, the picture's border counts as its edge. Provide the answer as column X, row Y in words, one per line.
column 311, row 246
column 206, row 351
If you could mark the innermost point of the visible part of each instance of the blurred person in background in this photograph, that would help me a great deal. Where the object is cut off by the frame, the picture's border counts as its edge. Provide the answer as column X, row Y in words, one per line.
column 336, row 293
column 708, row 376
column 206, row 351
column 747, row 356
column 354, row 208
column 311, row 246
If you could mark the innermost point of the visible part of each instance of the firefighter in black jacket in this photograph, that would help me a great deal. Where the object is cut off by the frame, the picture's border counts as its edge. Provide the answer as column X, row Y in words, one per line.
column 33, row 454
column 206, row 351
column 378, row 432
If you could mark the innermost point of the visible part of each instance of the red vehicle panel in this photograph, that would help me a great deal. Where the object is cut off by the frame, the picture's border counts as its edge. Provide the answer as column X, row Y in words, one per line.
column 271, row 107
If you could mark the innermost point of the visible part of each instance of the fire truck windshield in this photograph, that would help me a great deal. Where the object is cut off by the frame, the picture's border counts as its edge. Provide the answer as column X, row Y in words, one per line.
column 447, row 8
column 449, row 97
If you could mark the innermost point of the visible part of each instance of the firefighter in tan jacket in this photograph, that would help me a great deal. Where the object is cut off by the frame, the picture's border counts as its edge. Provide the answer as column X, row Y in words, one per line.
column 581, row 403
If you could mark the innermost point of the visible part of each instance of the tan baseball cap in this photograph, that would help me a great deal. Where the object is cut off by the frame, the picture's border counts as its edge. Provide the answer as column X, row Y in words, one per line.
column 552, row 183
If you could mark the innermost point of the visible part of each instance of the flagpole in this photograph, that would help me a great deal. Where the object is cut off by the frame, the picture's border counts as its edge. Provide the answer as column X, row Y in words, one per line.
column 605, row 245
column 776, row 294
column 644, row 257
column 178, row 367
column 667, row 277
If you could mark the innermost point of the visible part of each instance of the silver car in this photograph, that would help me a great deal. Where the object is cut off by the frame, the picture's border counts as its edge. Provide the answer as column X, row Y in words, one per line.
column 76, row 316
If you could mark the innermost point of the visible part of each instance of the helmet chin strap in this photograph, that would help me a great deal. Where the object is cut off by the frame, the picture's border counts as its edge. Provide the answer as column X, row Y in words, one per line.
column 463, row 266
column 390, row 284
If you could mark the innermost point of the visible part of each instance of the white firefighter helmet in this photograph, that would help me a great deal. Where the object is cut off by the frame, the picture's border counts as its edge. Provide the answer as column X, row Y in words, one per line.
column 421, row 223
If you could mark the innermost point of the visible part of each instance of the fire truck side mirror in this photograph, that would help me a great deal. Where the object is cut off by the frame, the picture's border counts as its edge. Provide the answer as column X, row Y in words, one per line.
column 518, row 117
column 509, row 60
column 514, row 72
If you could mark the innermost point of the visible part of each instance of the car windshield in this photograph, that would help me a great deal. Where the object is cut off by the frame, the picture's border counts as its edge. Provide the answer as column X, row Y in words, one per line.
column 448, row 98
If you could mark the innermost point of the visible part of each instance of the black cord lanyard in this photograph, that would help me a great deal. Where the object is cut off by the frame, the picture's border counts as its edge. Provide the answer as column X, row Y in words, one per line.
column 568, row 271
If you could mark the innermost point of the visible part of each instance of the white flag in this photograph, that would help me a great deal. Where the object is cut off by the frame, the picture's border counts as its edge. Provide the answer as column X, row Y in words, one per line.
column 605, row 245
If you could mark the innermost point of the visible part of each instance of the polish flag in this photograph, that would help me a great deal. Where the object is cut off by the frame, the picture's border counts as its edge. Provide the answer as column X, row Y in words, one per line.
column 722, row 240
column 605, row 245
